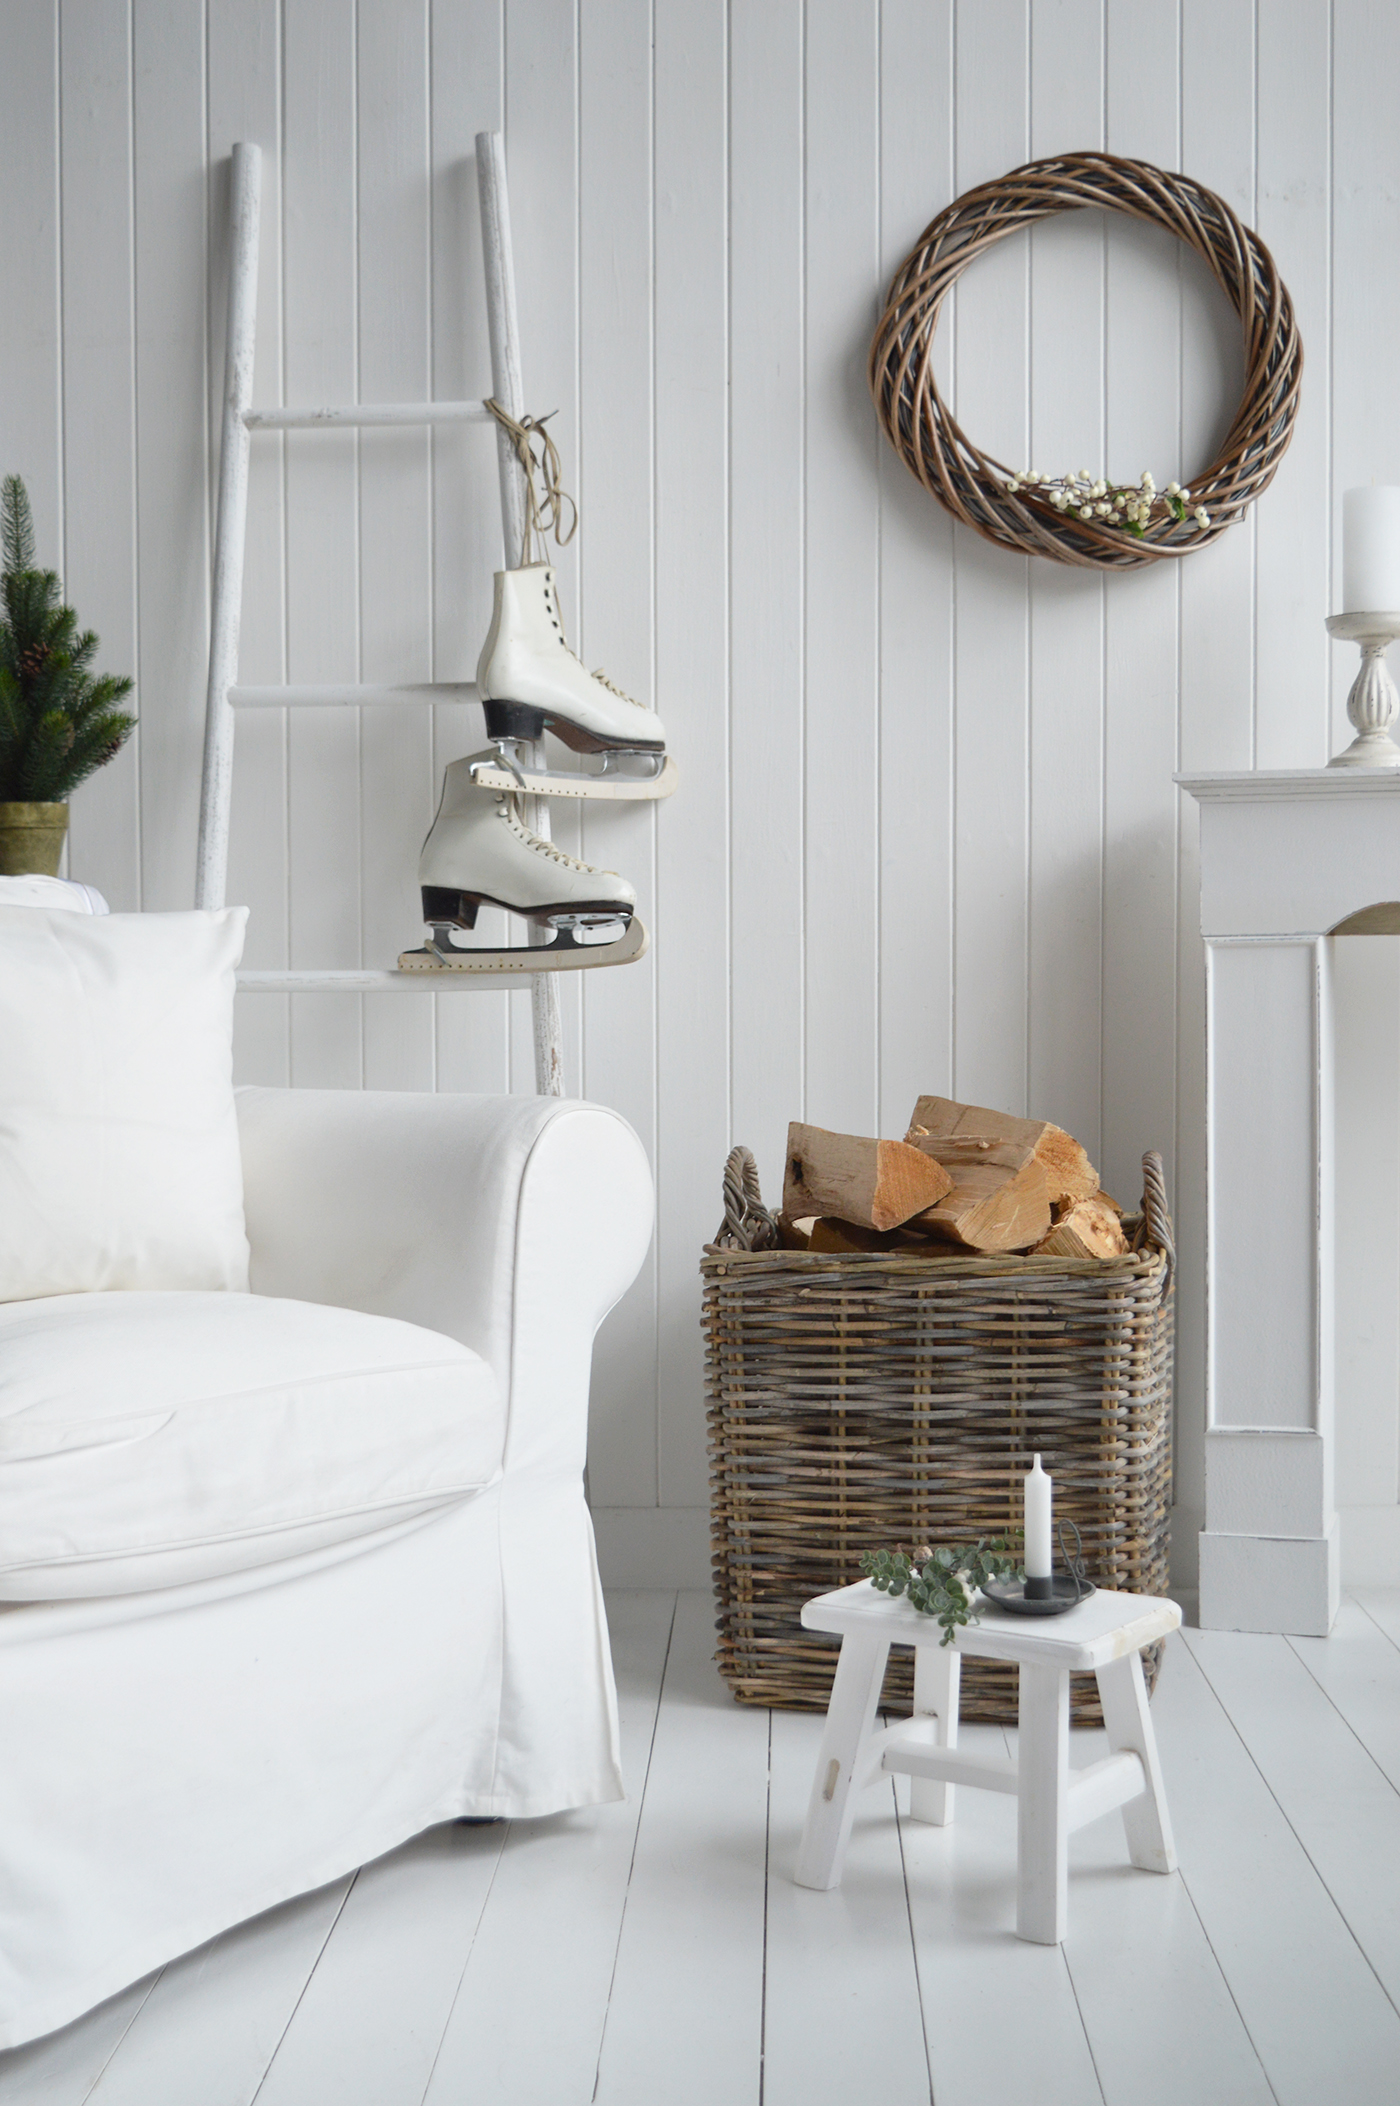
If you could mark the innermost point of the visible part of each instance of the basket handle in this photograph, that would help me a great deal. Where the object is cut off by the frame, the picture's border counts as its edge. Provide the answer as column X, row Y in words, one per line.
column 747, row 1223
column 1156, row 1221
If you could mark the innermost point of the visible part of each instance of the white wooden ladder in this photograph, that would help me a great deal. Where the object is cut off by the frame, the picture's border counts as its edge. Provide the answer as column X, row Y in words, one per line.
column 240, row 420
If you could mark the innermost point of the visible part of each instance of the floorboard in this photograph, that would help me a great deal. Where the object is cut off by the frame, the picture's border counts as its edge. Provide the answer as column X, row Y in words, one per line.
column 1316, row 2014
column 211, row 2024
column 1382, row 1605
column 366, row 2030
column 548, row 1936
column 685, row 2019
column 61, row 2069
column 1358, row 1667
column 975, row 1972
column 1342, row 1808
column 1163, row 2024
column 842, row 2017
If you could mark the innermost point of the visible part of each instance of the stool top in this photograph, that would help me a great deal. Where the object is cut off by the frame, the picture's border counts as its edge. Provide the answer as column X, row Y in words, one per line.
column 1103, row 1628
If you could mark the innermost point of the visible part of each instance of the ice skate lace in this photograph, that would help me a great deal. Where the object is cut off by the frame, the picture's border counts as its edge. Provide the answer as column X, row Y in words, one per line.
column 612, row 686
column 543, row 515
column 505, row 805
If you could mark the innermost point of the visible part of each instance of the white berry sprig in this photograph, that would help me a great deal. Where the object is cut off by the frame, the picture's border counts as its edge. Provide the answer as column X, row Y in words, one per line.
column 1132, row 506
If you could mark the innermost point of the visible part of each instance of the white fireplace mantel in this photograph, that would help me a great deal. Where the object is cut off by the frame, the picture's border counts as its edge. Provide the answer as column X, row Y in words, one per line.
column 1289, row 860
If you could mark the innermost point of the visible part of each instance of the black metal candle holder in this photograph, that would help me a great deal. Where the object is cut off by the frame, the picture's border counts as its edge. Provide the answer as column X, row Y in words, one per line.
column 1046, row 1597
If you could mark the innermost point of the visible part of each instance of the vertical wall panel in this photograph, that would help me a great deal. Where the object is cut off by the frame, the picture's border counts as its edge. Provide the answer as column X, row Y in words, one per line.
column 916, row 608
column 99, row 453
column 172, row 539
column 1065, row 910
column 614, row 482
column 1216, row 712
column 766, row 814
column 323, row 614
column 840, row 526
column 31, row 330
column 396, row 567
column 465, row 61
column 1365, row 199
column 1142, row 340
column 991, row 648
column 692, row 637
column 542, row 146
column 1293, row 652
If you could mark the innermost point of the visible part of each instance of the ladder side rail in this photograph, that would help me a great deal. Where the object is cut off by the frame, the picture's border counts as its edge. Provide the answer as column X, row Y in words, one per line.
column 216, row 787
column 508, row 389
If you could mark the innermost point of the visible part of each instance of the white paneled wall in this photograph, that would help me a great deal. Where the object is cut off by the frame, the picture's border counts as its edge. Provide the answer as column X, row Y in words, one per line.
column 926, row 836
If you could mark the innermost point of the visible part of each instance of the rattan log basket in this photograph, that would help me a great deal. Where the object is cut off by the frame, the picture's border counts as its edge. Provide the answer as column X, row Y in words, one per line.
column 859, row 1402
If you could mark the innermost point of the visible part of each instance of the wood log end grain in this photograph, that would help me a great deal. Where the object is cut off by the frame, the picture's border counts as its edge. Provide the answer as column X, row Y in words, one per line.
column 848, row 1177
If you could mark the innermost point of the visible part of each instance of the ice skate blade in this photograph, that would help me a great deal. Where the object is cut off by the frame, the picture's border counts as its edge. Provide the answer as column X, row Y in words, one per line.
column 561, row 956
column 488, row 774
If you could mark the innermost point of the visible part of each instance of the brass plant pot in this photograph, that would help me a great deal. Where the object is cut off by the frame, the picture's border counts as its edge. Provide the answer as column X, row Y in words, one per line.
column 31, row 839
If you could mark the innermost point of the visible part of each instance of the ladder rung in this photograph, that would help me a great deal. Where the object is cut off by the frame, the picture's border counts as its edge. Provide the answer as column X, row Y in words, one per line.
column 356, row 413
column 351, row 697
column 334, row 980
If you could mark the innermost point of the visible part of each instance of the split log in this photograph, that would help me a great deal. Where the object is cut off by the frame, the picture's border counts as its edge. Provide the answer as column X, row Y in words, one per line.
column 794, row 1235
column 876, row 1184
column 999, row 1201
column 831, row 1234
column 1069, row 1174
column 1089, row 1229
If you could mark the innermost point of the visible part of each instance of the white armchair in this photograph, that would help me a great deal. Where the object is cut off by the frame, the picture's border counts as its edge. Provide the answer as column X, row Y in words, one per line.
column 177, row 1757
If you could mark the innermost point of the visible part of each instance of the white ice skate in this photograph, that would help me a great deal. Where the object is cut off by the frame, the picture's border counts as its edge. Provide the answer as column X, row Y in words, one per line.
column 528, row 679
column 480, row 853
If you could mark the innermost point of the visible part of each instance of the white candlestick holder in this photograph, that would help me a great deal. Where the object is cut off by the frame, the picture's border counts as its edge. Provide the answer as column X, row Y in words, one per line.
column 1373, row 703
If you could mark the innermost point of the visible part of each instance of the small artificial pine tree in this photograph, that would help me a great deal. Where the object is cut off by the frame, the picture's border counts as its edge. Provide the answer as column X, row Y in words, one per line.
column 57, row 721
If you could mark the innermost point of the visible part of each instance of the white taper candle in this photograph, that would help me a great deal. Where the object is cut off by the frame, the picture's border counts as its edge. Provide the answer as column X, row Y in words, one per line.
column 1371, row 551
column 1038, row 1498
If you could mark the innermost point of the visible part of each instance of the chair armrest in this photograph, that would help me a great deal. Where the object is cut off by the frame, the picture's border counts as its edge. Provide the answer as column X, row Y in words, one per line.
column 511, row 1223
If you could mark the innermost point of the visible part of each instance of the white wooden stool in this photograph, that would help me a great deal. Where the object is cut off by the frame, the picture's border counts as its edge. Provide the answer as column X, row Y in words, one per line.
column 1106, row 1633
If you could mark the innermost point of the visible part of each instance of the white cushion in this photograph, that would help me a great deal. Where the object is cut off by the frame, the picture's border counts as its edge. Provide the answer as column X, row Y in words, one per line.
column 119, row 1160
column 35, row 890
column 151, row 1439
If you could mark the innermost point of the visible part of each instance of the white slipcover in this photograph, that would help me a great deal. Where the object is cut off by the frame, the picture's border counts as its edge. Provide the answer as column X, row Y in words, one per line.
column 176, row 1759
column 151, row 1439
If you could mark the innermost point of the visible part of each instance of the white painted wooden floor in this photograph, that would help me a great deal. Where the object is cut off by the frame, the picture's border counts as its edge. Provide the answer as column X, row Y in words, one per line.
column 656, row 1953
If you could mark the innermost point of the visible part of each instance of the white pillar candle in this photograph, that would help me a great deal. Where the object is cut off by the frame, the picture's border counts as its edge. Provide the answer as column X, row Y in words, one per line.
column 1038, row 1495
column 1371, row 551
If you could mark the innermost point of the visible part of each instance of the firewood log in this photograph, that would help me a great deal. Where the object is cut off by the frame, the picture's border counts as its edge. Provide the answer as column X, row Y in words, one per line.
column 1089, row 1229
column 1069, row 1174
column 999, row 1200
column 876, row 1184
column 831, row 1234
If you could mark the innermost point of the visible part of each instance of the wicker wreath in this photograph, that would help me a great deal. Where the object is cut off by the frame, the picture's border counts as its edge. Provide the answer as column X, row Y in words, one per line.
column 972, row 485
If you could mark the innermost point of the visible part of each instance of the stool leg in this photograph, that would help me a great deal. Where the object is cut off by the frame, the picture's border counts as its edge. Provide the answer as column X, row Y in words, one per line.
column 849, row 1720
column 1123, row 1694
column 1042, row 1804
column 937, row 1675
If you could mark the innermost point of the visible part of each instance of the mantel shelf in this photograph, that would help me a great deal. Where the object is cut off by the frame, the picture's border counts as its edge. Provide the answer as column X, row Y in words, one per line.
column 1290, row 785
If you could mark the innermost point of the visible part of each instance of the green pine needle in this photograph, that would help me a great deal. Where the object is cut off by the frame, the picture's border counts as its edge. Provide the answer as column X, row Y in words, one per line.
column 58, row 722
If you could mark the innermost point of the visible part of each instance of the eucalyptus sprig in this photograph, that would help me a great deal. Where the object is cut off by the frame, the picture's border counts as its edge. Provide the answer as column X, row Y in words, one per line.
column 942, row 1582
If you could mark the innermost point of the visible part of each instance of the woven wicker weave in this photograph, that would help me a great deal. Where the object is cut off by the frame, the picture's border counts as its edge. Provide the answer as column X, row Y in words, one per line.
column 860, row 1402
column 970, row 483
